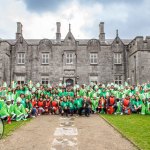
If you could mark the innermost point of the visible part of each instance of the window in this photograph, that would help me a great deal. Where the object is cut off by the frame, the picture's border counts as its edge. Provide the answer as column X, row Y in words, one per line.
column 20, row 79
column 45, row 58
column 93, row 79
column 21, row 58
column 45, row 80
column 69, row 58
column 93, row 58
column 118, row 80
column 117, row 58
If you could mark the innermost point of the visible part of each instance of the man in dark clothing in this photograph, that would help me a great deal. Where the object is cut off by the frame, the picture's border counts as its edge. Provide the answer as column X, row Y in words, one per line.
column 86, row 106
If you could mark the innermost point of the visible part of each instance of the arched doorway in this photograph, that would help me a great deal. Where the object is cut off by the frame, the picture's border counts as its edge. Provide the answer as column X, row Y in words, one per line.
column 69, row 82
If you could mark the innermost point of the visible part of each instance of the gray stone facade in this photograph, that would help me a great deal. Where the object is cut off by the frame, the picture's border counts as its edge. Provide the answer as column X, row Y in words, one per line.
column 75, row 60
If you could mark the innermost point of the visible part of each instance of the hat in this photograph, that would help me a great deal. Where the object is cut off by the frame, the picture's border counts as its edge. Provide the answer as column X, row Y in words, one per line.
column 33, row 89
column 38, row 85
column 60, row 84
column 126, row 84
column 49, row 85
column 5, row 84
column 19, row 100
column 8, row 98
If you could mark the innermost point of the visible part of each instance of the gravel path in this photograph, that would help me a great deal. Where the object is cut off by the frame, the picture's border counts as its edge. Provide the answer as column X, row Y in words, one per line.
column 57, row 133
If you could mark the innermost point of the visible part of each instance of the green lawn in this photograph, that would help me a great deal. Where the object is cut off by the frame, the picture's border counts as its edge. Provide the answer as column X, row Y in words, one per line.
column 9, row 128
column 134, row 127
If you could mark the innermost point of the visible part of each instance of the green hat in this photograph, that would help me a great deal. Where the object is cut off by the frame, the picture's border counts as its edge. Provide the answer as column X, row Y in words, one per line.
column 64, row 84
column 121, row 87
column 19, row 99
column 91, row 83
column 107, row 94
column 136, row 89
column 108, row 85
column 103, row 85
column 60, row 84
column 33, row 89
column 142, row 96
column 27, row 92
column 12, row 96
column 5, row 84
column 96, row 87
column 13, row 84
column 30, row 84
column 94, row 95
column 38, row 85
column 126, row 84
column 77, row 86
column 112, row 84
column 8, row 98
column 49, row 85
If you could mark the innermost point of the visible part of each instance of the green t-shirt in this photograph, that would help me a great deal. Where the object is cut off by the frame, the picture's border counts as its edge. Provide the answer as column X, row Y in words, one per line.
column 78, row 102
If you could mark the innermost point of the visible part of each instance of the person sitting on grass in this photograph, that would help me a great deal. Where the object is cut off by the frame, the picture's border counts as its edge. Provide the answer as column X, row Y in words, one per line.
column 126, row 107
column 20, row 111
column 6, row 110
column 138, row 104
column 31, row 111
column 148, row 107
column 132, row 102
column 94, row 102
column 111, row 105
column 40, row 106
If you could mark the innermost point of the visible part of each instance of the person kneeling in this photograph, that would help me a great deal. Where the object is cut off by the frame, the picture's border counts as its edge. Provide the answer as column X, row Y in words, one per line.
column 86, row 106
column 126, row 107
column 64, row 107
column 31, row 111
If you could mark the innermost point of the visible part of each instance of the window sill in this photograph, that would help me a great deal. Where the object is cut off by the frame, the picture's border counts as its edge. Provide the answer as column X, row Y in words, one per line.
column 21, row 64
column 117, row 63
column 93, row 64
column 44, row 64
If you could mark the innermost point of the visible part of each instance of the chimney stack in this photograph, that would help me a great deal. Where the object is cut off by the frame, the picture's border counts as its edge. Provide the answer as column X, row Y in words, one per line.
column 102, row 33
column 58, row 34
column 19, row 30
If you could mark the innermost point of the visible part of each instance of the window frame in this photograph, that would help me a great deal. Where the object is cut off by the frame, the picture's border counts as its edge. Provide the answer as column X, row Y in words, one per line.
column 69, row 58
column 93, row 58
column 45, row 81
column 21, row 58
column 118, row 81
column 21, row 80
column 45, row 58
column 117, row 58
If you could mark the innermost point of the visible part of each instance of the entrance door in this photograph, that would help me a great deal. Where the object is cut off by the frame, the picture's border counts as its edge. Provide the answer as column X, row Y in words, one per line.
column 69, row 82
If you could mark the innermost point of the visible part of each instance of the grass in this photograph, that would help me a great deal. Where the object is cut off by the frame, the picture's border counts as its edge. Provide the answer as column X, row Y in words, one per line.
column 9, row 128
column 135, row 127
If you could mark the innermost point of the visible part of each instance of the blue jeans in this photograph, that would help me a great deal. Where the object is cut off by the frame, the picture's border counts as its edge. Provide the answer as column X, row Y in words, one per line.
column 33, row 112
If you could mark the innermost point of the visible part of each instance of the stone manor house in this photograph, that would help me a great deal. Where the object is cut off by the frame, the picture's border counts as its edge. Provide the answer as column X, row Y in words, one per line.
column 74, row 60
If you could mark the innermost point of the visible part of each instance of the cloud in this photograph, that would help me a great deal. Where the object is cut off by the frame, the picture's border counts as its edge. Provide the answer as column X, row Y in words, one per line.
column 39, row 17
column 40, row 6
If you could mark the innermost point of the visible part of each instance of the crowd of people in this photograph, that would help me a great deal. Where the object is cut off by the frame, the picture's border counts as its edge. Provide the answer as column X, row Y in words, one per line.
column 19, row 102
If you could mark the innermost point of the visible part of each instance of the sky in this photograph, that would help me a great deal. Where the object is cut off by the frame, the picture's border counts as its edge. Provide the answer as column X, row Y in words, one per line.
column 39, row 17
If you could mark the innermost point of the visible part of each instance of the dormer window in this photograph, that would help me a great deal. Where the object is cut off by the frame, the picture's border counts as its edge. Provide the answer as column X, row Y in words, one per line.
column 117, row 58
column 93, row 58
column 21, row 58
column 45, row 58
column 69, row 58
